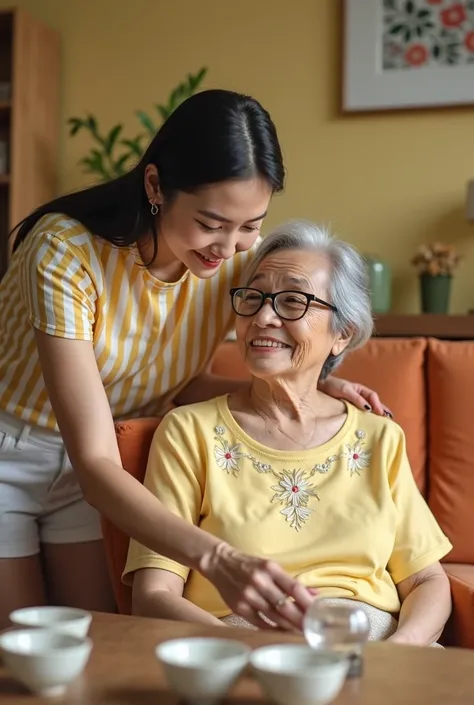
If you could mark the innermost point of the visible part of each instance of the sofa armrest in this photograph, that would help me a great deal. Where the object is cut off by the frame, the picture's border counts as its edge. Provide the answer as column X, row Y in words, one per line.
column 459, row 630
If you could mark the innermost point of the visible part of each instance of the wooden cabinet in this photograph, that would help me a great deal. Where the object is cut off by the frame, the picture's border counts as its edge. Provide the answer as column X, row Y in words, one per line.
column 29, row 118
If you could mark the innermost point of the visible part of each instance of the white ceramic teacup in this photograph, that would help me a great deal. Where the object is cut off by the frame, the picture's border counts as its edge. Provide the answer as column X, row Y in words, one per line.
column 45, row 661
column 67, row 620
column 202, row 670
column 293, row 674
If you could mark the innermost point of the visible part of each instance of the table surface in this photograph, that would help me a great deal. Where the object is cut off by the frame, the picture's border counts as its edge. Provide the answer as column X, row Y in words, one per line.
column 123, row 670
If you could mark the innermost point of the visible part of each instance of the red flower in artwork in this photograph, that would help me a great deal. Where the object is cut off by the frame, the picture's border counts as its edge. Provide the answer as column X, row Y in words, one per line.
column 453, row 16
column 469, row 41
column 416, row 55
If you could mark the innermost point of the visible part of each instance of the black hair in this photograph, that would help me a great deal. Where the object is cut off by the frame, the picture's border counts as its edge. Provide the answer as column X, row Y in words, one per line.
column 211, row 137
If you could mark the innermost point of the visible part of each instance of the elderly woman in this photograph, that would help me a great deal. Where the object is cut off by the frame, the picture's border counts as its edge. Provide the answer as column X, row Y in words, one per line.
column 282, row 471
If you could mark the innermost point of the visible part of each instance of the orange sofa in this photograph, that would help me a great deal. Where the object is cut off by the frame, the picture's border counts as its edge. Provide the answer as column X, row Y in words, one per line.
column 429, row 386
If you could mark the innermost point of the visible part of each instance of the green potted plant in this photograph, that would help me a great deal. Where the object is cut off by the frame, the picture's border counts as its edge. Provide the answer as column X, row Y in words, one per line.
column 436, row 264
column 113, row 154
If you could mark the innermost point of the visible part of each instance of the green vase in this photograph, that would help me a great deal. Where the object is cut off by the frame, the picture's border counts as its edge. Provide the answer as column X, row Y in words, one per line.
column 380, row 283
column 435, row 293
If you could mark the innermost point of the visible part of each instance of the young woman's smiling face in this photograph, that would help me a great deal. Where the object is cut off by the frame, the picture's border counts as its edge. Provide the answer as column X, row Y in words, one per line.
column 275, row 347
column 200, row 230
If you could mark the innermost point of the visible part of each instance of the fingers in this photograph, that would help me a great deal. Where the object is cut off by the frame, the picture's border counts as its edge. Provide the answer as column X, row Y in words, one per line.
column 253, row 616
column 358, row 398
column 274, row 585
column 288, row 617
column 365, row 398
column 256, row 589
column 258, row 611
column 357, row 394
column 261, row 621
column 275, row 620
column 302, row 596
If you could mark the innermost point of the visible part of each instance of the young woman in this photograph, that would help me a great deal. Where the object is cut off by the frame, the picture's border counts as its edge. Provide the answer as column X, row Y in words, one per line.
column 114, row 303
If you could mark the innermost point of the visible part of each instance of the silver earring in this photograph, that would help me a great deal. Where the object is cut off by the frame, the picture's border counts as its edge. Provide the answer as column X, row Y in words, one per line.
column 154, row 209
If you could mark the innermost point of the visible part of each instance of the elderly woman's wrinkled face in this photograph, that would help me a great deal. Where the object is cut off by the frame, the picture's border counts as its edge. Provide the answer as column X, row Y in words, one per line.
column 274, row 346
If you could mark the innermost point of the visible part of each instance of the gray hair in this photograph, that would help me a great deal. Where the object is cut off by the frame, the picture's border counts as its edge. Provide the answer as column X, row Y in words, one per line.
column 348, row 285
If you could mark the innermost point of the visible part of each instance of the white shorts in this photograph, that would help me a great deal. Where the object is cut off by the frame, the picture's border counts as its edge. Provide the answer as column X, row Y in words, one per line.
column 40, row 497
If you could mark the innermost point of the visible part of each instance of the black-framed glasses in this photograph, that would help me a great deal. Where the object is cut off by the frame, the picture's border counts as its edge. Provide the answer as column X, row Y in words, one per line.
column 288, row 305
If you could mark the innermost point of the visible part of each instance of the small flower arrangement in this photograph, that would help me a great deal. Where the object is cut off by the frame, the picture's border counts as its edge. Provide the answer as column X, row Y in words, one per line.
column 436, row 260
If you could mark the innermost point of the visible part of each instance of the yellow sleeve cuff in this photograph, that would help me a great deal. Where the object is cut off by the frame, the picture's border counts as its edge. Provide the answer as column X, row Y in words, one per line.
column 152, row 561
column 433, row 556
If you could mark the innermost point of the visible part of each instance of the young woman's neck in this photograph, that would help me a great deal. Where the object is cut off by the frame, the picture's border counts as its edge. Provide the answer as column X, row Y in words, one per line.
column 164, row 266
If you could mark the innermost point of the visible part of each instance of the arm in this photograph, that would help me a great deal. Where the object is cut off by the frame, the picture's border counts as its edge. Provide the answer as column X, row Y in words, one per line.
column 83, row 413
column 357, row 394
column 419, row 545
column 426, row 606
column 159, row 593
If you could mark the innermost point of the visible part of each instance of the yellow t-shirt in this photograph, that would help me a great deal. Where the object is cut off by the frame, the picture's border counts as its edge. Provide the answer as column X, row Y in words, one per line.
column 345, row 517
column 150, row 338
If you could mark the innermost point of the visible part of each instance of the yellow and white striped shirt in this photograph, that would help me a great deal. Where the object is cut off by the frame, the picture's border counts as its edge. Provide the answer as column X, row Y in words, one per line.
column 150, row 338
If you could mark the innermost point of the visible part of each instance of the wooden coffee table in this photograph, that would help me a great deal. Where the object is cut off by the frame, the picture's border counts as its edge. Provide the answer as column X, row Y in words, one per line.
column 123, row 670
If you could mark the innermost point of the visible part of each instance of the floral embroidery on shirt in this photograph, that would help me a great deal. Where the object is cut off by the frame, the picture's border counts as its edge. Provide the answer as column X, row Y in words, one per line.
column 357, row 458
column 325, row 467
column 294, row 489
column 227, row 457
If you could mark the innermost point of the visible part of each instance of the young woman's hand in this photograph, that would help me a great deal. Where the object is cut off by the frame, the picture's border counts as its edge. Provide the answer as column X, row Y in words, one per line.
column 357, row 394
column 257, row 589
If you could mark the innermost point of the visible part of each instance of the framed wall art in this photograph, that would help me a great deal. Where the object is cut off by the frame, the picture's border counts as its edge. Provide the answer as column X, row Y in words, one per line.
column 401, row 54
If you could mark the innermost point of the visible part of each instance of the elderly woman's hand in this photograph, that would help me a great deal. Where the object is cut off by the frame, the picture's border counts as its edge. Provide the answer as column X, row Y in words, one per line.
column 357, row 394
column 253, row 587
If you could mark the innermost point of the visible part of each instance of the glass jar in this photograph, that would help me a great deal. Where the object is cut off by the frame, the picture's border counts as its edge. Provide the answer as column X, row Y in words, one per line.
column 380, row 283
column 339, row 627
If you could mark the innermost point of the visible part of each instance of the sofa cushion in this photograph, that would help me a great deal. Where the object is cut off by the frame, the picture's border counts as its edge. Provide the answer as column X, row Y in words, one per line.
column 460, row 628
column 392, row 367
column 451, row 444
column 134, row 440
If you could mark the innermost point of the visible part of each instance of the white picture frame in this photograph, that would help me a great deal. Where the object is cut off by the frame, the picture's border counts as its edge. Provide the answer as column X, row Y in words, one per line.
column 373, row 80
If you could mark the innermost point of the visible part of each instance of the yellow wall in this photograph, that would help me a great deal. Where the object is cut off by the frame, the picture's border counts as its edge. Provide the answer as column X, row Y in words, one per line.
column 385, row 182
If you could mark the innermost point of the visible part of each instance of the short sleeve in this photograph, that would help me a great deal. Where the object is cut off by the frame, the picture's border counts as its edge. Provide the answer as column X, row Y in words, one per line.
column 419, row 541
column 56, row 288
column 176, row 476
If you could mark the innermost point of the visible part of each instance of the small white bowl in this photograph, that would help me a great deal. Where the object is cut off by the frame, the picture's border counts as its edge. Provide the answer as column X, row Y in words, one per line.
column 44, row 661
column 67, row 620
column 202, row 670
column 291, row 674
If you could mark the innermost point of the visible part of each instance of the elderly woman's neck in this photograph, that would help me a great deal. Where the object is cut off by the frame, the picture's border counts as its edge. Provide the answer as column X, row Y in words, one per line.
column 282, row 399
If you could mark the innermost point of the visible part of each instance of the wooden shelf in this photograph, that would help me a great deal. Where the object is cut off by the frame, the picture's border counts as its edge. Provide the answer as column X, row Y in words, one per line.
column 427, row 325
column 29, row 118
